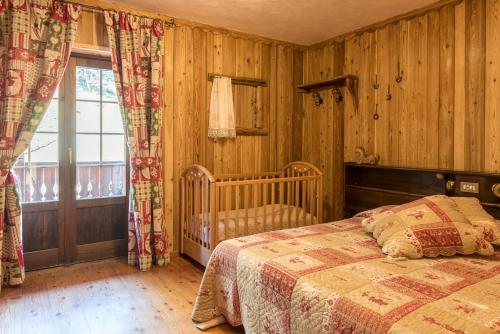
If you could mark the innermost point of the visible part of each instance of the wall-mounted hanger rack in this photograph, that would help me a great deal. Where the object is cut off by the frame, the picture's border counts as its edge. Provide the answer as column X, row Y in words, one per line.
column 240, row 80
column 348, row 80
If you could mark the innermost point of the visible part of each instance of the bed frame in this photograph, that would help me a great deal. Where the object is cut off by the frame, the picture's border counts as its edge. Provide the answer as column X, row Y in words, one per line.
column 368, row 187
column 207, row 200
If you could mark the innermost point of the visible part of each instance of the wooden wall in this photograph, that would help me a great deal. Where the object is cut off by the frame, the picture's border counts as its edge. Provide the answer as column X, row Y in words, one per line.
column 193, row 51
column 319, row 129
column 197, row 52
column 443, row 114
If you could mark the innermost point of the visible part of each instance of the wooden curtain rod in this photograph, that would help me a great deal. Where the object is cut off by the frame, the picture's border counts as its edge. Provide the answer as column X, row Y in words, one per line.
column 168, row 23
column 240, row 80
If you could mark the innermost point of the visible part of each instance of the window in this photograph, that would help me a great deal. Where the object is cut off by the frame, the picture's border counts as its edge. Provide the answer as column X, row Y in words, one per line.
column 100, row 139
column 37, row 169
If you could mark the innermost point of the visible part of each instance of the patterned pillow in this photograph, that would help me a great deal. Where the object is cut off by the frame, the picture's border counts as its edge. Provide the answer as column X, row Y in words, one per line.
column 369, row 215
column 479, row 218
column 430, row 226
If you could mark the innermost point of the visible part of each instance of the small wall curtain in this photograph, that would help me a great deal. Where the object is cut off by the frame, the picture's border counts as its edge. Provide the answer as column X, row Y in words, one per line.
column 221, row 120
column 137, row 56
column 36, row 41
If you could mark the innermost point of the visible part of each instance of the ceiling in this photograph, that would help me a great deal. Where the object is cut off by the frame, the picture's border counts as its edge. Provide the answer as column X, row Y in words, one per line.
column 303, row 22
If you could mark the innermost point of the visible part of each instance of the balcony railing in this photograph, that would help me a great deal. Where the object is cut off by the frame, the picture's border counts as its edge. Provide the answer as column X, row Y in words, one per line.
column 39, row 182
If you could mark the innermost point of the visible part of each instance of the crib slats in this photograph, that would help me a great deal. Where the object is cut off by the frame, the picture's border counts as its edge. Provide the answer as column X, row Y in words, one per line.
column 255, row 191
column 237, row 221
column 264, row 204
column 273, row 207
column 296, row 209
column 282, row 195
column 245, row 201
column 227, row 196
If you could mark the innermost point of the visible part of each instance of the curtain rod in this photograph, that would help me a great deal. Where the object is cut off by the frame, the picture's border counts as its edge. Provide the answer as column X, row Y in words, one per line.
column 168, row 23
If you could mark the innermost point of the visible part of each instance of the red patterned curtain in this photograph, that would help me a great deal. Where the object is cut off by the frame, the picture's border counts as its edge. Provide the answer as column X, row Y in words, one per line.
column 137, row 57
column 36, row 41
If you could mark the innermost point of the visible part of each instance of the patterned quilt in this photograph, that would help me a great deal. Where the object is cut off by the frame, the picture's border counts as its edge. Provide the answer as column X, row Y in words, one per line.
column 333, row 278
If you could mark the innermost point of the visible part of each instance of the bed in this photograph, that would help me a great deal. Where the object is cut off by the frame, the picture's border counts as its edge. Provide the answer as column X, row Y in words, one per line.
column 216, row 208
column 334, row 278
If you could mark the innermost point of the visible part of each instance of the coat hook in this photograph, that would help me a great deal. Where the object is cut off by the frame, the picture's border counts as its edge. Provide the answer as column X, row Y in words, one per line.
column 376, row 115
column 376, row 84
column 399, row 76
column 337, row 95
column 317, row 99
column 388, row 97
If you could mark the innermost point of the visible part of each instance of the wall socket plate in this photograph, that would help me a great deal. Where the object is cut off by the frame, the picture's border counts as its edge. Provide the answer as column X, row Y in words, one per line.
column 469, row 187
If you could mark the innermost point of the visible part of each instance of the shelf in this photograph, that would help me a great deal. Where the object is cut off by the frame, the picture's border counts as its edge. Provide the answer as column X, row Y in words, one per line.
column 336, row 82
column 240, row 80
column 349, row 81
column 252, row 131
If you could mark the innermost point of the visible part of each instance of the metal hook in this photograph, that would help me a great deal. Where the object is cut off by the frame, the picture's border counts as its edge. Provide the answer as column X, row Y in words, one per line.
column 376, row 84
column 317, row 99
column 399, row 76
column 376, row 115
column 337, row 95
column 388, row 97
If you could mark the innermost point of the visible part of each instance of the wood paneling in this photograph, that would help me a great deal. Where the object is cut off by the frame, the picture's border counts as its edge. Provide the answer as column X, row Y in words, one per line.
column 198, row 52
column 443, row 114
column 322, row 126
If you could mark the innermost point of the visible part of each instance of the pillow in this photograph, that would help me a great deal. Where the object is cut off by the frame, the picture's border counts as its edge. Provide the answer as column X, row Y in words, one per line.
column 479, row 218
column 430, row 226
column 370, row 213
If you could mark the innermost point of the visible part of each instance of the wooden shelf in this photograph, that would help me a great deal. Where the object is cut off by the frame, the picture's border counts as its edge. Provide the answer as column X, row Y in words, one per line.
column 252, row 131
column 349, row 81
column 240, row 80
column 336, row 82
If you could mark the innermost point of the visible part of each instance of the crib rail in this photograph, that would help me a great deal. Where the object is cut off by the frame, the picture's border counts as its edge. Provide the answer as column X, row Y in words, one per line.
column 215, row 208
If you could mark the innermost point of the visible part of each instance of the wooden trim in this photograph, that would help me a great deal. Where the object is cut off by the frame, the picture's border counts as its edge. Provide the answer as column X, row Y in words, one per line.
column 244, row 81
column 252, row 131
column 87, row 50
column 41, row 259
column 101, row 250
column 104, row 201
column 40, row 206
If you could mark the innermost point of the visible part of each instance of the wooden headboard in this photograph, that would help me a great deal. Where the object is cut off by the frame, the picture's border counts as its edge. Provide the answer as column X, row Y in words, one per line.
column 367, row 187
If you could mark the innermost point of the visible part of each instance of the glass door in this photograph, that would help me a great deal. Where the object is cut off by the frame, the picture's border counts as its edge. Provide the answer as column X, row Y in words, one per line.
column 98, row 158
column 73, row 177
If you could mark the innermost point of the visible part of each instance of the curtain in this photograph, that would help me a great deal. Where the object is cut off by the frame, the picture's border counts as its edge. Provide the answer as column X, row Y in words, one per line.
column 221, row 118
column 36, row 40
column 137, row 56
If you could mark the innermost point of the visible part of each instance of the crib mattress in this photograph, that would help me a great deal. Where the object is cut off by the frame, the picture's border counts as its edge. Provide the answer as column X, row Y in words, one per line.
column 260, row 219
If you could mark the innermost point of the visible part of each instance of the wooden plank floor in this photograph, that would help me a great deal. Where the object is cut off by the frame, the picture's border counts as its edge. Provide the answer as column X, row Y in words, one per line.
column 105, row 297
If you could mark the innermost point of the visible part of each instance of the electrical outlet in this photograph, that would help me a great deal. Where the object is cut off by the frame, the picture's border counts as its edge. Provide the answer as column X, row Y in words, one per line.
column 469, row 187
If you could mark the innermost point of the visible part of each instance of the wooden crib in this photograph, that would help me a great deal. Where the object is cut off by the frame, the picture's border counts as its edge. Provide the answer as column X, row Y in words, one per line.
column 216, row 208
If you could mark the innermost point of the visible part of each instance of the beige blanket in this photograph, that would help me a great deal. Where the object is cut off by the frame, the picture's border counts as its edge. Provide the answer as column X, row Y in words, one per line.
column 333, row 278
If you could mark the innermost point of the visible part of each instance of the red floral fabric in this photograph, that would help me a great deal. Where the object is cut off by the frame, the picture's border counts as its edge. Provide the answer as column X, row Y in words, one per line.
column 36, row 41
column 137, row 56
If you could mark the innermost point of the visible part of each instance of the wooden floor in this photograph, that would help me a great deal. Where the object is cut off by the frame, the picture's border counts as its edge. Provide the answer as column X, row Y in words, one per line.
column 105, row 297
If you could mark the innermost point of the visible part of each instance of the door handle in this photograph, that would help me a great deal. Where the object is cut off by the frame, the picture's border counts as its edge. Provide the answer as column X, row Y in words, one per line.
column 70, row 155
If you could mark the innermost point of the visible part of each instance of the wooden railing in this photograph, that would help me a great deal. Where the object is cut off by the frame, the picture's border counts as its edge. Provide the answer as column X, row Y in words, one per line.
column 40, row 181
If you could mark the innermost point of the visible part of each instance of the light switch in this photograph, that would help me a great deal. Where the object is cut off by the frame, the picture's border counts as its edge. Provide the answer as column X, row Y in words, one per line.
column 469, row 187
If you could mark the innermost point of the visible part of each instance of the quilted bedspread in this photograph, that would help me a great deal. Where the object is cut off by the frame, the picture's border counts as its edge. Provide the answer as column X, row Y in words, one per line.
column 333, row 278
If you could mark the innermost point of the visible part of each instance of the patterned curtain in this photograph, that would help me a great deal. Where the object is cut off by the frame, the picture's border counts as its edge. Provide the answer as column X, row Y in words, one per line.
column 36, row 41
column 137, row 57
